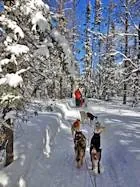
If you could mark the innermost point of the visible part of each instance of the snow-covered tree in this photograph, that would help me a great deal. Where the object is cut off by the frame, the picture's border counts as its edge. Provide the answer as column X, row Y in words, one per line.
column 119, row 46
column 35, row 57
column 87, row 60
column 128, row 37
column 66, row 24
column 105, row 85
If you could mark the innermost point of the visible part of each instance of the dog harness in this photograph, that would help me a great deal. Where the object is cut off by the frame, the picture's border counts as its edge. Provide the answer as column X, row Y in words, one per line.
column 95, row 142
column 80, row 140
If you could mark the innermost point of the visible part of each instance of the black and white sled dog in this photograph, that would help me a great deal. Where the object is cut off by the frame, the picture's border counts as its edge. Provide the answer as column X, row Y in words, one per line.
column 87, row 116
column 95, row 148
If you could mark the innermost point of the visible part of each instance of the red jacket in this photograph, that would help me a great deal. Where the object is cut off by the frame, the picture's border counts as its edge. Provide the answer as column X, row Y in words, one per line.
column 78, row 94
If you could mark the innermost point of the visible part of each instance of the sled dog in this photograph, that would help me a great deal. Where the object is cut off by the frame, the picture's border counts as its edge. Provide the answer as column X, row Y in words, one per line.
column 86, row 116
column 80, row 148
column 95, row 156
column 95, row 150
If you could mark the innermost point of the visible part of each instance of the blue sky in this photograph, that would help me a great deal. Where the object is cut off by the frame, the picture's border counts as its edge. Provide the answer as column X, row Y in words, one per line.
column 1, row 6
column 81, row 8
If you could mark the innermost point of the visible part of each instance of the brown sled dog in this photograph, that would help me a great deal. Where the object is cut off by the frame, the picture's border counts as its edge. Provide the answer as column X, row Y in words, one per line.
column 80, row 148
column 75, row 126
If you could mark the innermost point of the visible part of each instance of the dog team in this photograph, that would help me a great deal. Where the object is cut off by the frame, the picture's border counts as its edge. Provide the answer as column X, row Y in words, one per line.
column 80, row 142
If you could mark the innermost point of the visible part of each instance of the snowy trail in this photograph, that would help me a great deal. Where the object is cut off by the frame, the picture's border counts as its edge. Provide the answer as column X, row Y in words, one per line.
column 118, row 161
column 59, row 170
column 120, row 153
column 121, row 150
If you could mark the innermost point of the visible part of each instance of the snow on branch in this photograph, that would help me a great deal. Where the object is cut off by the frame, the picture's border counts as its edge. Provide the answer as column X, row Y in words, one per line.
column 17, row 49
column 129, row 13
column 62, row 42
column 6, row 61
column 98, row 34
column 41, row 4
column 43, row 51
column 10, row 115
column 8, row 97
column 22, row 71
column 13, row 79
column 127, row 34
column 29, row 6
column 12, row 25
column 136, row 70
column 115, row 52
column 39, row 20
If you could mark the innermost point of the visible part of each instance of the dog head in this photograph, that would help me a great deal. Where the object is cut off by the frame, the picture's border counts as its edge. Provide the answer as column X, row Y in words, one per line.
column 99, row 127
column 76, row 123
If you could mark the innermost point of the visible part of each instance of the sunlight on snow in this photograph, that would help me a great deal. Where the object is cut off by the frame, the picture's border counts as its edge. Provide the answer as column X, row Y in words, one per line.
column 23, row 158
column 63, row 126
column 125, row 142
column 22, row 182
column 46, row 141
column 123, row 134
column 3, row 179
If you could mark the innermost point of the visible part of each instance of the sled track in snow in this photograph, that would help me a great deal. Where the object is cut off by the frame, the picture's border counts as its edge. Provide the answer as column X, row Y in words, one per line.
column 93, row 181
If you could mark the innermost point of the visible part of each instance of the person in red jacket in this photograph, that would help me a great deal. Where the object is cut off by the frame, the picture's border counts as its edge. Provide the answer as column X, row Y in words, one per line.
column 78, row 97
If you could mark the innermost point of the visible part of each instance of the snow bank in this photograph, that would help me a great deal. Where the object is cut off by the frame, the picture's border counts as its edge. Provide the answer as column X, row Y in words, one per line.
column 67, row 111
column 32, row 140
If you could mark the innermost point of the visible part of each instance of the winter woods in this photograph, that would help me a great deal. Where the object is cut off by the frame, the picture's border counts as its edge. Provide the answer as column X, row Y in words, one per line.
column 36, row 60
column 46, row 49
column 112, row 32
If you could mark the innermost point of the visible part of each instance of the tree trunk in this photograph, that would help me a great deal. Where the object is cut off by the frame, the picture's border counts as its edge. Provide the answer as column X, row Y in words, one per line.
column 8, row 129
column 139, row 42
column 61, row 85
column 126, row 53
column 136, row 81
column 72, row 86
column 9, row 147
column 10, row 139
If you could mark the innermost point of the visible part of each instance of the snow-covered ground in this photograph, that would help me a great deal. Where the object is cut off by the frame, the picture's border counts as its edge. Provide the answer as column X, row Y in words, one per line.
column 44, row 154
